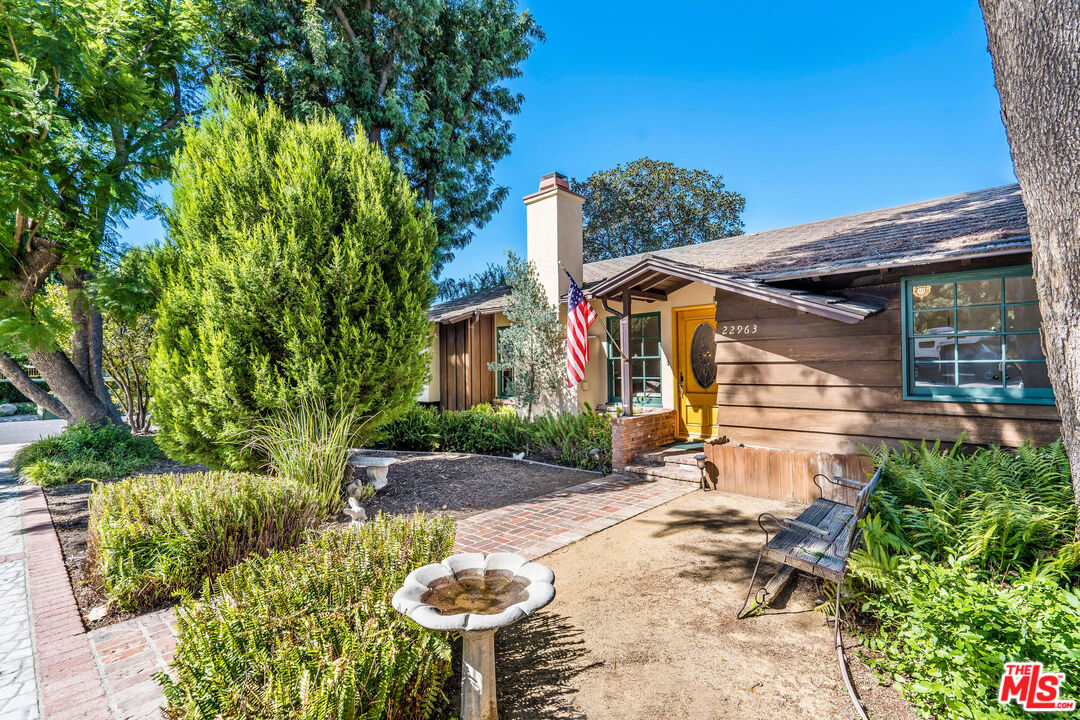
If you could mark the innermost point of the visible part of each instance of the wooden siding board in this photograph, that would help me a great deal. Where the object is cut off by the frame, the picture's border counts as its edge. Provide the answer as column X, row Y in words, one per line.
column 808, row 383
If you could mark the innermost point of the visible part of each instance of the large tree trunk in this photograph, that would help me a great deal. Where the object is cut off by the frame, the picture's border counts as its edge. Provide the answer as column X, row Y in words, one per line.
column 1036, row 55
column 34, row 392
column 95, row 350
column 67, row 384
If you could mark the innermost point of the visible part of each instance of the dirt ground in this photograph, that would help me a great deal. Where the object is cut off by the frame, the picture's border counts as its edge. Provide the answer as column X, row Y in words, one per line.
column 643, row 626
column 459, row 485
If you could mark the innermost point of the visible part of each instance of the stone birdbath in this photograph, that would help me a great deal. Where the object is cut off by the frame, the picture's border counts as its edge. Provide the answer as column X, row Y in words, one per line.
column 475, row 595
column 375, row 468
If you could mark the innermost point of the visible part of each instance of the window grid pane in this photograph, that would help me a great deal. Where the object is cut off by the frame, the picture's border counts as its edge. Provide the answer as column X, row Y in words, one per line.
column 978, row 345
column 645, row 379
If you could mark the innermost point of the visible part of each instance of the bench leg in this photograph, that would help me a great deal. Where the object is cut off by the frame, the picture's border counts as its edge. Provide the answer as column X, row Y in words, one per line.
column 743, row 612
column 838, row 642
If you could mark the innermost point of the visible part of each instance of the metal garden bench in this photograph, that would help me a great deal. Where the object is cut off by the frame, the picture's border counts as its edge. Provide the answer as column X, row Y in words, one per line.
column 819, row 541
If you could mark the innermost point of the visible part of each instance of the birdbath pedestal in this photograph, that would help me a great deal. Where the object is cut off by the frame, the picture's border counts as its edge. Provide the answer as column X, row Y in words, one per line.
column 475, row 595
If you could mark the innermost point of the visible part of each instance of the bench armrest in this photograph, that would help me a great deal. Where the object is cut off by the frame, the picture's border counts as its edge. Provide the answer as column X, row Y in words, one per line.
column 838, row 480
column 805, row 527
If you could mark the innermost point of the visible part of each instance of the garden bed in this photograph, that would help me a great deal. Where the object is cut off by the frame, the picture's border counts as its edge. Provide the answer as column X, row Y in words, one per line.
column 70, row 511
column 447, row 484
column 458, row 485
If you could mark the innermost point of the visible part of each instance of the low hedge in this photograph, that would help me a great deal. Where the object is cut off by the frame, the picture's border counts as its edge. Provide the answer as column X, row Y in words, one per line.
column 564, row 439
column 153, row 536
column 85, row 452
column 310, row 632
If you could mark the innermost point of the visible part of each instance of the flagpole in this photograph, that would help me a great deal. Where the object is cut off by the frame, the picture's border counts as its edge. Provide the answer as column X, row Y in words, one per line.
column 611, row 338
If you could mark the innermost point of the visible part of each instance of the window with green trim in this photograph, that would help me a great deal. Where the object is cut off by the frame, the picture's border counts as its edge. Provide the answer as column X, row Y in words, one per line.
column 974, row 336
column 646, row 361
column 506, row 375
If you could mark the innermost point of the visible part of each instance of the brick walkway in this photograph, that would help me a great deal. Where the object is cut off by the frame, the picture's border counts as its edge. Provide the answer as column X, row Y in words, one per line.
column 128, row 654
column 546, row 523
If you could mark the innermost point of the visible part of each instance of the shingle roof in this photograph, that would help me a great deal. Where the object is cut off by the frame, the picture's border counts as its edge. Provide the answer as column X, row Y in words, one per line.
column 488, row 300
column 991, row 220
column 954, row 226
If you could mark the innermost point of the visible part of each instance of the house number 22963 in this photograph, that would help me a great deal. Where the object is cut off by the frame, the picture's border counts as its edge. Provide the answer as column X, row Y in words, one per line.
column 738, row 329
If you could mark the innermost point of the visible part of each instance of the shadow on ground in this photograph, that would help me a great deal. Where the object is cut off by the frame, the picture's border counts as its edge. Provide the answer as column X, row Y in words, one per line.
column 536, row 661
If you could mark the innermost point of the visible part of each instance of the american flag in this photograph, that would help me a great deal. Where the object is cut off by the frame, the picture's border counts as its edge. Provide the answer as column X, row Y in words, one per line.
column 579, row 316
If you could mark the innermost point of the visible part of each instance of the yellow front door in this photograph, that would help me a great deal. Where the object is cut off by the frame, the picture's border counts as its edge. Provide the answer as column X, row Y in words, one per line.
column 695, row 382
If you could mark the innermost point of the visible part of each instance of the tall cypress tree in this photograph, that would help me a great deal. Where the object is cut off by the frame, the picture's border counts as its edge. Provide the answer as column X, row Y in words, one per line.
column 298, row 265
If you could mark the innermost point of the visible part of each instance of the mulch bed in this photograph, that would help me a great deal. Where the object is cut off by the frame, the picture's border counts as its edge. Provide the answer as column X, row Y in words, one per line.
column 453, row 485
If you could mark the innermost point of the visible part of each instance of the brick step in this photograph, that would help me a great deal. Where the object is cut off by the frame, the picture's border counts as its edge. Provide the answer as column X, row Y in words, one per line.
column 664, row 472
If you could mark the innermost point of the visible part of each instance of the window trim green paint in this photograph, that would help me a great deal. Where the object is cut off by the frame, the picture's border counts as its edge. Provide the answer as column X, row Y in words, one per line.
column 612, row 356
column 1025, row 396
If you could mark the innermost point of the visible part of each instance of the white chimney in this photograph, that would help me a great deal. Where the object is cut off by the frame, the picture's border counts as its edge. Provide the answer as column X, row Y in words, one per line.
column 553, row 234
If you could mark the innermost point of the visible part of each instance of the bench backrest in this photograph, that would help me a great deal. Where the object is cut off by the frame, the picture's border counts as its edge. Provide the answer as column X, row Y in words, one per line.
column 861, row 507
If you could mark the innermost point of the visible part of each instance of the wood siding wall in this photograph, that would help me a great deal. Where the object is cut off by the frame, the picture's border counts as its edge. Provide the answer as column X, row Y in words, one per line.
column 804, row 382
column 465, row 349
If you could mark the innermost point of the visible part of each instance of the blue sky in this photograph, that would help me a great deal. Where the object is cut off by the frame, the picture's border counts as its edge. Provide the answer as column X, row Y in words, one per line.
column 810, row 110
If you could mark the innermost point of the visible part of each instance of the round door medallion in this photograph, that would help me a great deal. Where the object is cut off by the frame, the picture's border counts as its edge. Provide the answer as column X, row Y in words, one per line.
column 702, row 352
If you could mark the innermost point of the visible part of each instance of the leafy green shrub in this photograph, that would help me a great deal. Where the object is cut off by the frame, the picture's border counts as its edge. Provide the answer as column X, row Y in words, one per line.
column 565, row 439
column 308, row 446
column 25, row 408
column 310, row 632
column 298, row 265
column 155, row 535
column 946, row 634
column 10, row 394
column 568, row 438
column 994, row 510
column 85, row 451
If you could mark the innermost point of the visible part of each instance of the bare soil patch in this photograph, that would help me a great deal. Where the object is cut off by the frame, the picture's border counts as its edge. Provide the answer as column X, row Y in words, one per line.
column 458, row 485
column 643, row 626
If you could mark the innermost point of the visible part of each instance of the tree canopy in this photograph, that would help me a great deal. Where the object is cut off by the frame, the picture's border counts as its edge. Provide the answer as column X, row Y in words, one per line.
column 297, row 267
column 649, row 205
column 91, row 99
column 423, row 79
column 491, row 276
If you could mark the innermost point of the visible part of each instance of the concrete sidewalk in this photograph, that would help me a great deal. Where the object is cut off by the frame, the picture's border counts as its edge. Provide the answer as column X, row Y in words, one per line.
column 18, row 683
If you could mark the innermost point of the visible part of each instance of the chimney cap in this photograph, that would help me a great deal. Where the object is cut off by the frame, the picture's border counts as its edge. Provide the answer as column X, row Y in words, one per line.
column 556, row 175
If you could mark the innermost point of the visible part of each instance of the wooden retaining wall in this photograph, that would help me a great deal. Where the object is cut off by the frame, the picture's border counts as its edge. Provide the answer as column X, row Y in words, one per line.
column 782, row 474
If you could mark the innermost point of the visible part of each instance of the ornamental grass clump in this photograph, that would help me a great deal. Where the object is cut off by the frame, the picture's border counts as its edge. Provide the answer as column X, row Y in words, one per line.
column 310, row 632
column 151, row 537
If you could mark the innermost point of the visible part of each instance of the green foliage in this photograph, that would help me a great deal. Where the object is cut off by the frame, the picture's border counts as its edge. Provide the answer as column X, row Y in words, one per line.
column 10, row 394
column 308, row 446
column 533, row 346
column 966, row 562
column 298, row 266
column 946, row 634
column 93, row 97
column 649, row 205
column 993, row 510
column 423, row 79
column 490, row 277
column 85, row 452
column 153, row 536
column 565, row 439
column 310, row 633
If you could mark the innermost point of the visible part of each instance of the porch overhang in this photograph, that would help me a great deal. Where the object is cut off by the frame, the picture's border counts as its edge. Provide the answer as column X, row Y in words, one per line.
column 654, row 278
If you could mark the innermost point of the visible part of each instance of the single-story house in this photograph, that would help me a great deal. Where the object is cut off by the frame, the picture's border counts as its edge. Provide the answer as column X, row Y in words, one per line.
column 908, row 323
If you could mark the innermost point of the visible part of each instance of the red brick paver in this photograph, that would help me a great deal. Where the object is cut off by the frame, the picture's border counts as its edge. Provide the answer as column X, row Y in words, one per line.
column 69, row 684
column 546, row 523
column 129, row 654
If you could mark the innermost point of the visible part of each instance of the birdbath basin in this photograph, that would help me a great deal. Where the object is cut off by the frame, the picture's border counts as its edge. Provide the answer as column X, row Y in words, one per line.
column 475, row 595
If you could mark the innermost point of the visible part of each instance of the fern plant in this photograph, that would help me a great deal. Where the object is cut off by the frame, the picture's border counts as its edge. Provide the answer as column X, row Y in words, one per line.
column 310, row 633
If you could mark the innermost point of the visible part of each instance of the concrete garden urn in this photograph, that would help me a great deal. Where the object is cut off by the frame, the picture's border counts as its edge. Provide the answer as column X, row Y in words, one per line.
column 475, row 595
